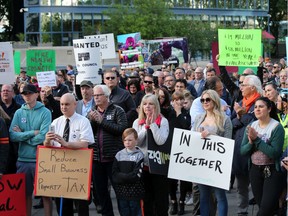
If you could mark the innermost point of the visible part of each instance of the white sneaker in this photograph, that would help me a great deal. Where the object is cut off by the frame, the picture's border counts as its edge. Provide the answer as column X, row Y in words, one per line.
column 189, row 199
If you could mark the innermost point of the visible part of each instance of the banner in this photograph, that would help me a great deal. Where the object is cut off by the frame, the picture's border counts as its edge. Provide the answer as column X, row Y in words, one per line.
column 204, row 161
column 88, row 60
column 129, row 50
column 40, row 60
column 12, row 195
column 17, row 61
column 47, row 78
column 62, row 172
column 239, row 47
column 167, row 51
column 158, row 155
column 7, row 71
column 107, row 45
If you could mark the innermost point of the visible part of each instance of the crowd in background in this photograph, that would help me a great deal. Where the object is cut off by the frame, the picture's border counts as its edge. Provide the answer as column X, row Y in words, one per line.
column 250, row 108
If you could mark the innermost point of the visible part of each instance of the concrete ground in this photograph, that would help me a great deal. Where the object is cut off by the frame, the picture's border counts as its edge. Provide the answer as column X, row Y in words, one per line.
column 231, row 196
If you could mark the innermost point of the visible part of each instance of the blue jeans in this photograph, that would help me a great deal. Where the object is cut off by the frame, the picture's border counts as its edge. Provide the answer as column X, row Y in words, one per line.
column 220, row 194
column 129, row 207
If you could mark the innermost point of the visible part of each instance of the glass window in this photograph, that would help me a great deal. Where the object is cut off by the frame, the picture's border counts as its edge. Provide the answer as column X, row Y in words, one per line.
column 32, row 22
column 33, row 2
column 46, row 38
column 45, row 2
column 67, row 22
column 46, row 24
column 33, row 39
column 67, row 39
column 56, row 22
column 57, row 39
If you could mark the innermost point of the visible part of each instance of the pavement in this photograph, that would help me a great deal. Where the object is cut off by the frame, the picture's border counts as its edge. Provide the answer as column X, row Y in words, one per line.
column 231, row 196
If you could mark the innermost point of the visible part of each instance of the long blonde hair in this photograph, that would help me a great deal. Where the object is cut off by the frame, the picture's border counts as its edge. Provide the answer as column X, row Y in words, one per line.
column 154, row 100
column 217, row 110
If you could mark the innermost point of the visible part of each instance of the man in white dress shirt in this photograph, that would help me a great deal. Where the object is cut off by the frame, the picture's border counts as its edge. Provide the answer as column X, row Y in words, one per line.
column 79, row 135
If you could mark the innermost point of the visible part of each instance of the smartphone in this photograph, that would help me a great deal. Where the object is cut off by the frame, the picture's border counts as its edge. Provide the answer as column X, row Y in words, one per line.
column 52, row 128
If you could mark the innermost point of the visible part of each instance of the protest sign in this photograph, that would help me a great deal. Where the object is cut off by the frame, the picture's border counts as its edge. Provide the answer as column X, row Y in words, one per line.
column 158, row 155
column 88, row 60
column 167, row 51
column 40, row 60
column 46, row 78
column 12, row 195
column 62, row 172
column 107, row 45
column 239, row 47
column 129, row 50
column 205, row 161
column 7, row 72
column 17, row 62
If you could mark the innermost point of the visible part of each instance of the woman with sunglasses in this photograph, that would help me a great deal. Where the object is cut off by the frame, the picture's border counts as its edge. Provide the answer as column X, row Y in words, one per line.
column 263, row 141
column 212, row 122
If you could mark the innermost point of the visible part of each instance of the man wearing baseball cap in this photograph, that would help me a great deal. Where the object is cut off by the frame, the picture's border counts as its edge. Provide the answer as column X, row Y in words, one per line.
column 28, row 127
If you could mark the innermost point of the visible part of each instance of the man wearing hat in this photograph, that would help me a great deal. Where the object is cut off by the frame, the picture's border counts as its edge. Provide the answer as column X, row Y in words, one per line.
column 23, row 77
column 85, row 105
column 28, row 127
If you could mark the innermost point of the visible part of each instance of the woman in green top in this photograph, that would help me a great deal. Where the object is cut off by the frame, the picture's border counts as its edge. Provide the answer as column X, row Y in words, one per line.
column 263, row 141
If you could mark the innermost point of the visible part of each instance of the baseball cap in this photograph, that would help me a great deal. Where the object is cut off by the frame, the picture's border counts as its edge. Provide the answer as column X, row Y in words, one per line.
column 86, row 83
column 29, row 89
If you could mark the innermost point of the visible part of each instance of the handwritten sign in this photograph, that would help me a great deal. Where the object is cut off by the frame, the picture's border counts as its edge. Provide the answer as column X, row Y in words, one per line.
column 46, row 78
column 62, row 172
column 158, row 155
column 40, row 60
column 239, row 47
column 12, row 195
column 107, row 45
column 7, row 75
column 88, row 60
column 205, row 161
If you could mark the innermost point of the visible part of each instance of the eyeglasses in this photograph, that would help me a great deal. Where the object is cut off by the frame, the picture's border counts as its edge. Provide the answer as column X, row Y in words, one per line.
column 148, row 82
column 98, row 95
column 110, row 78
column 240, row 82
column 243, row 85
column 207, row 100
column 6, row 91
column 264, row 71
column 169, row 80
column 275, row 66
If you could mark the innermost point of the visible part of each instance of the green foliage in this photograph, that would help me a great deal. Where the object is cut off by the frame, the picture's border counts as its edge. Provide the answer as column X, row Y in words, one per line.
column 151, row 17
column 21, row 37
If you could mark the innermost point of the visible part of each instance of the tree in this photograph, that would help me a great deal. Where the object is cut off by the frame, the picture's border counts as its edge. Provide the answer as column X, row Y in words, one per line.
column 150, row 17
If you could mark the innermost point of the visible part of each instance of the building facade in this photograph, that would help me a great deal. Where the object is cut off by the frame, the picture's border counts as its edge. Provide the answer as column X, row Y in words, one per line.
column 61, row 21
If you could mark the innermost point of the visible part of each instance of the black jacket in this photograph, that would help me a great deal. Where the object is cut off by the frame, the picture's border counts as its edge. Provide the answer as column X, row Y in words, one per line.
column 110, row 131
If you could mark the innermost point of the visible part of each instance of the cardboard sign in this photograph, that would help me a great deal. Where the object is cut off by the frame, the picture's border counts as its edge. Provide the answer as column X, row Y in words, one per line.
column 62, row 172
column 88, row 60
column 205, row 161
column 40, row 60
column 129, row 49
column 47, row 78
column 158, row 155
column 12, row 195
column 239, row 47
column 7, row 75
column 107, row 45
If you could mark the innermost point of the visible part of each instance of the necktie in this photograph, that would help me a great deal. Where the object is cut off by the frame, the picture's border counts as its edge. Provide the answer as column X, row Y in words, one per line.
column 66, row 131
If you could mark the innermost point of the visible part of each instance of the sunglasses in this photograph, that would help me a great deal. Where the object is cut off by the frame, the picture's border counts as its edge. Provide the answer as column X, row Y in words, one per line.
column 207, row 100
column 265, row 71
column 110, row 78
column 148, row 82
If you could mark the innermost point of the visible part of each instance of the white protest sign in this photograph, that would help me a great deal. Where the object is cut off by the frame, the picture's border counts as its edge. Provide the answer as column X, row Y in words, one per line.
column 46, row 78
column 204, row 161
column 107, row 45
column 88, row 60
column 7, row 73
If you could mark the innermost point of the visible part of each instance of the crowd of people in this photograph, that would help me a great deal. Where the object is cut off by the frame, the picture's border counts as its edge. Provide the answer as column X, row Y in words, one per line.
column 117, row 117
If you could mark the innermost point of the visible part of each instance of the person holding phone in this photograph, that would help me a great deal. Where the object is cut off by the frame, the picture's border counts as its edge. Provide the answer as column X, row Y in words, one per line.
column 263, row 141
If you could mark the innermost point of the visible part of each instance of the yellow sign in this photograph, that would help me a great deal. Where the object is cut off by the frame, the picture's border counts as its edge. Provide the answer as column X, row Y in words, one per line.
column 239, row 47
column 62, row 172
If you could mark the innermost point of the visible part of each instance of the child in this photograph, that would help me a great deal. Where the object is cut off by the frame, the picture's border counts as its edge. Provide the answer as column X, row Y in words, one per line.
column 127, row 175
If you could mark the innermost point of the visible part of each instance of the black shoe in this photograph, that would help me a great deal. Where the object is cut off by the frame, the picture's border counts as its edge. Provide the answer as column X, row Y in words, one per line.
column 181, row 208
column 243, row 214
column 39, row 205
column 252, row 201
column 174, row 208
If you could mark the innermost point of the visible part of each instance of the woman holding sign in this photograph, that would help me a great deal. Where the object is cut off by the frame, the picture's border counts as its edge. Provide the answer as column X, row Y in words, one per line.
column 156, row 186
column 214, row 122
column 263, row 142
